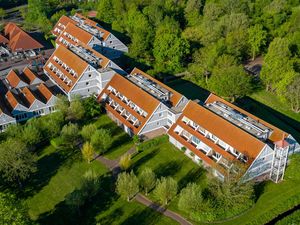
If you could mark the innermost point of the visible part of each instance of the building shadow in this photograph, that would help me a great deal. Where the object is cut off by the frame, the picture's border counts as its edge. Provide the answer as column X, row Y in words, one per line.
column 145, row 217
column 144, row 159
column 193, row 176
column 168, row 168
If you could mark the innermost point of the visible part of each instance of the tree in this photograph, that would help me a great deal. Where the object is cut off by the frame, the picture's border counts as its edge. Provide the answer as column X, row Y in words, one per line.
column 92, row 107
column 17, row 164
column 105, row 11
column 76, row 199
column 192, row 11
column 31, row 134
column 56, row 16
column 52, row 124
column 101, row 140
column 228, row 79
column 70, row 134
column 87, row 131
column 256, row 39
column 276, row 63
column 127, row 185
column 292, row 94
column 2, row 13
column 190, row 199
column 232, row 193
column 147, row 180
column 62, row 104
column 88, row 152
column 166, row 190
column 125, row 161
column 12, row 211
column 76, row 110
column 169, row 48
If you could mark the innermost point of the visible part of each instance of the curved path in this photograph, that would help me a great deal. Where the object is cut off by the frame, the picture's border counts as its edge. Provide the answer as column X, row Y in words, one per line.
column 113, row 165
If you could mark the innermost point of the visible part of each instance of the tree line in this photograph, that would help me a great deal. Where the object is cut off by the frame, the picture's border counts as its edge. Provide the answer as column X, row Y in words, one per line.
column 210, row 40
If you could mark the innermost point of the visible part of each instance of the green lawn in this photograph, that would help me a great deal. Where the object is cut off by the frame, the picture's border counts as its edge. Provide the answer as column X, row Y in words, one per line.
column 122, row 212
column 121, row 141
column 166, row 160
column 64, row 177
column 60, row 173
column 292, row 219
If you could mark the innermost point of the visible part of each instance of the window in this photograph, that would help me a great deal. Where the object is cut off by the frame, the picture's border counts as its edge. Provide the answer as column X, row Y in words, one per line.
column 90, row 75
column 158, row 123
column 160, row 114
column 87, row 83
column 195, row 140
column 185, row 120
column 170, row 114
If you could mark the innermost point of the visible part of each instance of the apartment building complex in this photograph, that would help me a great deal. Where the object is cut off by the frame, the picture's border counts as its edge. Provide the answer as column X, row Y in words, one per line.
column 79, row 70
column 141, row 104
column 219, row 133
column 79, row 29
column 23, row 96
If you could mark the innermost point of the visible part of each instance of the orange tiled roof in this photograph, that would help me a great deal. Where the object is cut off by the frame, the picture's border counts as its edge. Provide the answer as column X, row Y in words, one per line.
column 72, row 60
column 223, row 129
column 141, row 98
column 30, row 76
column 30, row 98
column 83, row 36
column 276, row 135
column 64, row 20
column 94, row 25
column 175, row 98
column 3, row 39
column 12, row 100
column 45, row 91
column 13, row 78
column 19, row 40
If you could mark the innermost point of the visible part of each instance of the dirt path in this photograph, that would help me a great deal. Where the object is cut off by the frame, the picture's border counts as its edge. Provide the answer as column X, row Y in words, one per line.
column 113, row 165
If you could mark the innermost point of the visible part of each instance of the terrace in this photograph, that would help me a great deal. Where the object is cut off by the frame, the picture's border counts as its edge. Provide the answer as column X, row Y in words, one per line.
column 241, row 120
column 150, row 87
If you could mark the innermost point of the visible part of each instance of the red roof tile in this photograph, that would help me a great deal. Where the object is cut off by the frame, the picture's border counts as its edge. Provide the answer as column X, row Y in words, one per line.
column 19, row 40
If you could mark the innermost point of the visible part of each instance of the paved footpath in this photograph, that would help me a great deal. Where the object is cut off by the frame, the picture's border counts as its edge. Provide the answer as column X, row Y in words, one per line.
column 113, row 165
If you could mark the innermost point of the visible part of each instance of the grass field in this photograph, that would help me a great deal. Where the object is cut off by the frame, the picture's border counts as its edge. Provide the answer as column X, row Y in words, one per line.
column 121, row 141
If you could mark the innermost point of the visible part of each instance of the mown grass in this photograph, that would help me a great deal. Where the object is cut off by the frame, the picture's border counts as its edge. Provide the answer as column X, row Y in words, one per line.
column 121, row 141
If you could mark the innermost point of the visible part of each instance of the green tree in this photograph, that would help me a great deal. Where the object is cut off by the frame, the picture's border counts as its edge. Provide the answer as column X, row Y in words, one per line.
column 166, row 190
column 192, row 11
column 92, row 107
column 70, row 134
column 101, row 140
column 229, row 80
column 62, row 104
column 76, row 199
column 87, row 131
column 127, row 185
column 147, row 180
column 2, row 13
column 169, row 48
column 12, row 211
column 17, row 164
column 31, row 134
column 256, row 39
column 76, row 110
column 88, row 152
column 52, row 124
column 125, row 161
column 231, row 194
column 105, row 11
column 292, row 94
column 276, row 63
column 190, row 199
column 56, row 16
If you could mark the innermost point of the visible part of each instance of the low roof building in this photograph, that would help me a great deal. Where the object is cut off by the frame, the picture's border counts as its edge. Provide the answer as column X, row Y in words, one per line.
column 19, row 40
